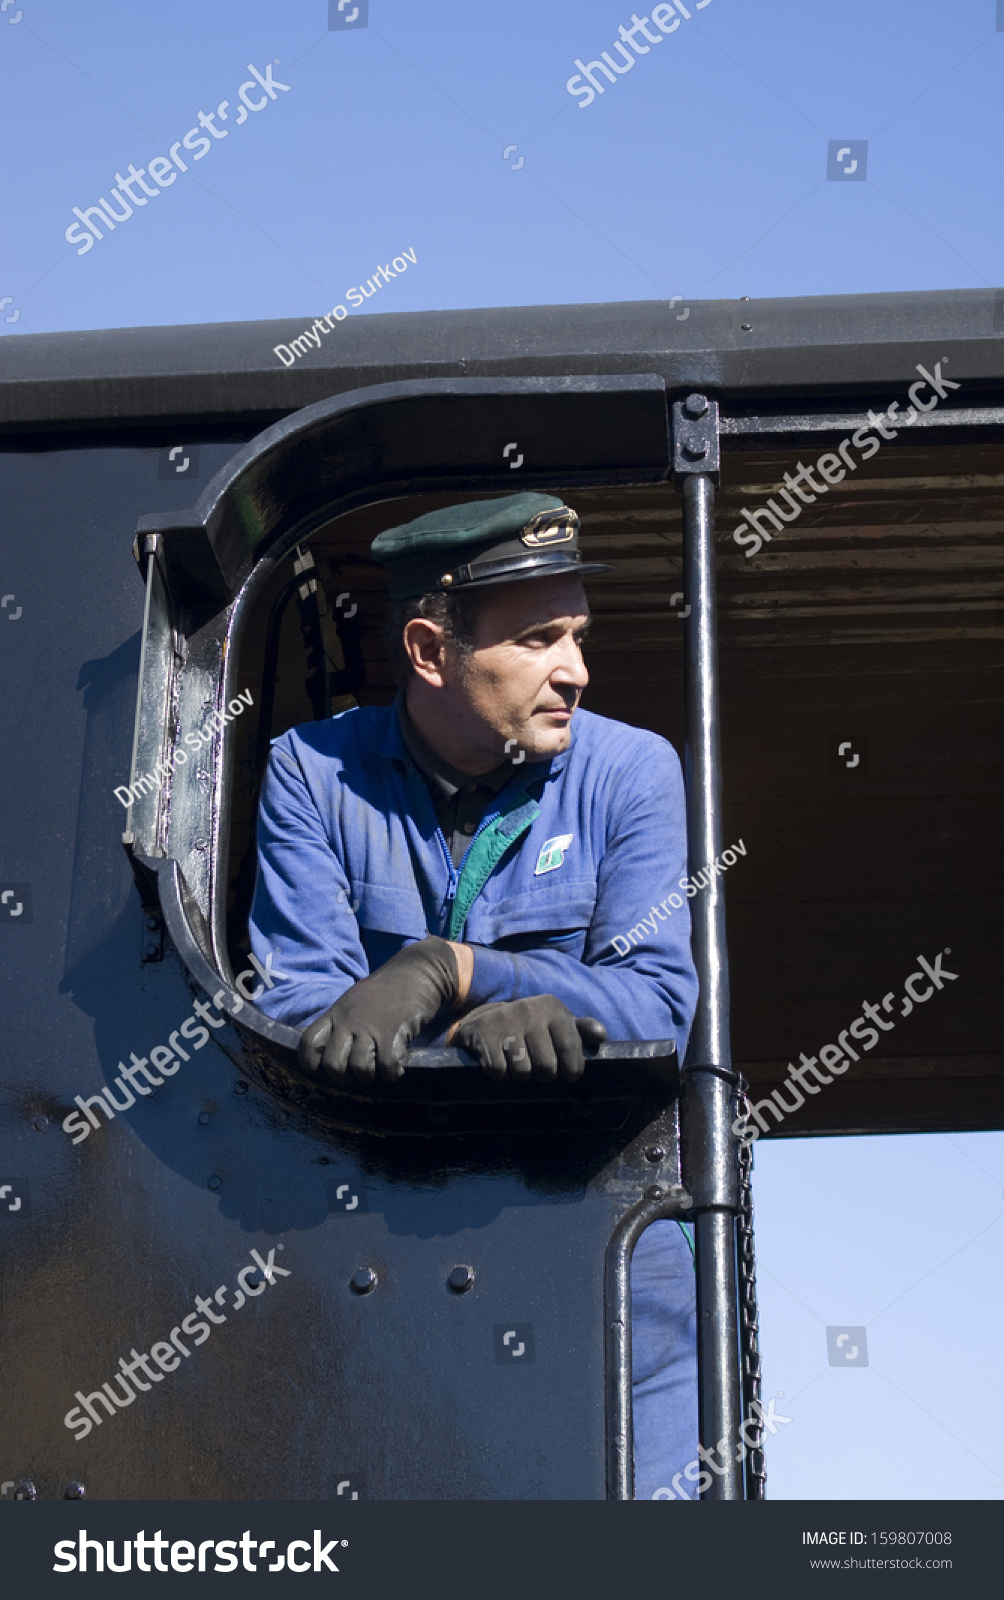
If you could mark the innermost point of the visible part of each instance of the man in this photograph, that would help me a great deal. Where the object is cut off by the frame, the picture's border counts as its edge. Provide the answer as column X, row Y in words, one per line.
column 455, row 867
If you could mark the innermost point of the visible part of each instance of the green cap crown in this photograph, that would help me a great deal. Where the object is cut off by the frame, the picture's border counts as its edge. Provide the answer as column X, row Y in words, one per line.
column 481, row 543
column 477, row 522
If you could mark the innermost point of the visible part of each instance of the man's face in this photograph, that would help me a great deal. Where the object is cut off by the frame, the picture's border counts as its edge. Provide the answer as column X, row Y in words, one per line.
column 524, row 678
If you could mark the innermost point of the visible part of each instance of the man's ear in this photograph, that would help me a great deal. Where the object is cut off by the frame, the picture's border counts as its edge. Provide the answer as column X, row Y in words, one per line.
column 425, row 647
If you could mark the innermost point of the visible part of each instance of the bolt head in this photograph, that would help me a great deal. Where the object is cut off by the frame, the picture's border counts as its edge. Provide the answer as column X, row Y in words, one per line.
column 74, row 1491
column 694, row 449
column 24, row 1489
column 364, row 1281
column 461, row 1279
column 696, row 405
column 655, row 1152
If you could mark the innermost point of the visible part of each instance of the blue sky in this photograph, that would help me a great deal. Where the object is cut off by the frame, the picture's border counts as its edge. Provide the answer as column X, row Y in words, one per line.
column 902, row 1237
column 701, row 172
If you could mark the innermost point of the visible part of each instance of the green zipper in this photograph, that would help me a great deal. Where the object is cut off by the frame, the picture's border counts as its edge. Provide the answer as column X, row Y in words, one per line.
column 486, row 851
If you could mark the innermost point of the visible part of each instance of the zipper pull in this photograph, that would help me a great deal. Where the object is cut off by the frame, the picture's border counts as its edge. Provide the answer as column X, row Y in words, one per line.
column 454, row 880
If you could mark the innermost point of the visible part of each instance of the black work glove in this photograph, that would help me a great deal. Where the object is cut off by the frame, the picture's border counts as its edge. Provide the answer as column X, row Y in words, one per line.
column 537, row 1037
column 369, row 1028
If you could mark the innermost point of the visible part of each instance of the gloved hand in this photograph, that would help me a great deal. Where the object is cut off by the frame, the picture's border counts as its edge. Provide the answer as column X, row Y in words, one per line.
column 369, row 1028
column 538, row 1036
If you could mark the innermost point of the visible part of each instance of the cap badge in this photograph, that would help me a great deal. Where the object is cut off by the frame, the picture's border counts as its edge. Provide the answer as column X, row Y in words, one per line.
column 550, row 527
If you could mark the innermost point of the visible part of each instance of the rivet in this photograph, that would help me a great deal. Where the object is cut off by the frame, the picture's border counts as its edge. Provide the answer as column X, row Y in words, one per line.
column 215, row 1182
column 203, row 1118
column 363, row 1281
column 653, row 1192
column 446, row 580
column 40, row 1124
column 655, row 1152
column 461, row 1279
column 74, row 1491
column 747, row 327
column 240, row 1087
column 24, row 1489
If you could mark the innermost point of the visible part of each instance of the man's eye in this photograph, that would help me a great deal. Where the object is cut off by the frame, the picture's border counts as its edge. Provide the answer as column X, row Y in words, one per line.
column 545, row 640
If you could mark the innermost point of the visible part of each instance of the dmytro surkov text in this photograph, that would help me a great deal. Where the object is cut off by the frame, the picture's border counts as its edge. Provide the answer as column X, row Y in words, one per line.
column 310, row 338
column 649, row 924
column 148, row 782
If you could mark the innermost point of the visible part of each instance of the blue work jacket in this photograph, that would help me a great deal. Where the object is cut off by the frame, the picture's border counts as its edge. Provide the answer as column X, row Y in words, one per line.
column 575, row 852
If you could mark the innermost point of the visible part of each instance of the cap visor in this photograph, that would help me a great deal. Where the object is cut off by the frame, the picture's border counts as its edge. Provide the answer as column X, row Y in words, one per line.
column 580, row 569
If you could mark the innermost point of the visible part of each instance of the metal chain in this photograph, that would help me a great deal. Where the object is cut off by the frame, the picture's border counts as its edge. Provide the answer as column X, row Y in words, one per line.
column 756, row 1472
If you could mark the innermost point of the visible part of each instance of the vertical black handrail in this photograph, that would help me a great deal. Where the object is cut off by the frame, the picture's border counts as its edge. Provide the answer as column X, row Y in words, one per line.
column 710, row 1170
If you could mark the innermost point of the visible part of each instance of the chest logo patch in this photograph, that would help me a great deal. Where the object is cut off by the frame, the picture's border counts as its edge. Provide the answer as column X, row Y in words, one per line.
column 552, row 853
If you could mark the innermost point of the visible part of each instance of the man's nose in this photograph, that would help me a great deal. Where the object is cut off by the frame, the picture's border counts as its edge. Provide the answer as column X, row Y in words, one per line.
column 570, row 668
